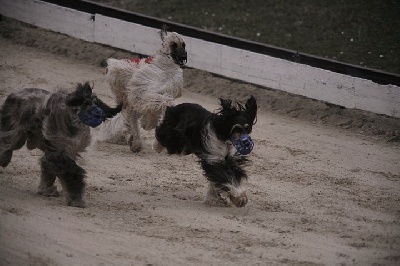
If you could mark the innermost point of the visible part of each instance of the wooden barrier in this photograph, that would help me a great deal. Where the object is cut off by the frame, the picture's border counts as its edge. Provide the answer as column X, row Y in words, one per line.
column 340, row 84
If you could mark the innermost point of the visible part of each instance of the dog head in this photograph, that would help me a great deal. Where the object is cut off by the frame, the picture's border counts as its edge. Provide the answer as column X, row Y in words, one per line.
column 174, row 46
column 91, row 110
column 235, row 123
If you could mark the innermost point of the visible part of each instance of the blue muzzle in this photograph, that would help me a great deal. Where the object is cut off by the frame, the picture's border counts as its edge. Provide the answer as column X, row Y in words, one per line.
column 244, row 145
column 92, row 117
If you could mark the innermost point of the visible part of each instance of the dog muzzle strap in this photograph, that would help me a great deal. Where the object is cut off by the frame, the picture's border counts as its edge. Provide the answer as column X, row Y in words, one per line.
column 244, row 144
column 92, row 117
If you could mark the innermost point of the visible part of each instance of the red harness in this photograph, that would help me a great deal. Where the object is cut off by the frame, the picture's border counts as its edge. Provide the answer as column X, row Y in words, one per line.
column 136, row 60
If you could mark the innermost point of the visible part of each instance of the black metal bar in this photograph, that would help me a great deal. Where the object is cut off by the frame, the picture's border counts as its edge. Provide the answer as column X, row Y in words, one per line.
column 377, row 76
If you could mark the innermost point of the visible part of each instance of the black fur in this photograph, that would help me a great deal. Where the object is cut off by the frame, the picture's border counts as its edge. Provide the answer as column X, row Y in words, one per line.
column 50, row 122
column 178, row 53
column 190, row 129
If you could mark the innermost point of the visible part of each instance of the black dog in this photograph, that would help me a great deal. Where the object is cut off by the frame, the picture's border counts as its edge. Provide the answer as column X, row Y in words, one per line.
column 58, row 124
column 218, row 139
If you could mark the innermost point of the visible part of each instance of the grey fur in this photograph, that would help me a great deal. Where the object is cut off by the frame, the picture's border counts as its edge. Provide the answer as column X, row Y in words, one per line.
column 50, row 122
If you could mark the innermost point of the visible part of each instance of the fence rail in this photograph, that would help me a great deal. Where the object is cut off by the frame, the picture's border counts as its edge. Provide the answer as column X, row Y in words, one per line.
column 282, row 69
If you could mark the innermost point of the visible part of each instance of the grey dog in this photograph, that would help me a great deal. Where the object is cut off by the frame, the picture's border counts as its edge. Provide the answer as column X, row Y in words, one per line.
column 58, row 124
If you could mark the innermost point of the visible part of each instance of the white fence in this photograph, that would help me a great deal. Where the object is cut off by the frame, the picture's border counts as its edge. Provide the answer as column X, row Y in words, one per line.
column 260, row 69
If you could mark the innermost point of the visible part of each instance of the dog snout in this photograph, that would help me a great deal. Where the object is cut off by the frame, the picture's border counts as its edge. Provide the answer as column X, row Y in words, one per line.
column 182, row 56
column 183, row 60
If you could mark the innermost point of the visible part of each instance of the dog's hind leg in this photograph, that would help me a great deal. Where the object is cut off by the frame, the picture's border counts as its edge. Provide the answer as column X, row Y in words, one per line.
column 47, row 179
column 10, row 143
column 133, row 138
column 150, row 121
column 73, row 183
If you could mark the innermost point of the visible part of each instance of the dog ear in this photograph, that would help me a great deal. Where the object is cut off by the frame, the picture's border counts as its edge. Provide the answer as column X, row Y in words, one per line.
column 225, row 103
column 87, row 90
column 77, row 97
column 251, row 109
column 163, row 33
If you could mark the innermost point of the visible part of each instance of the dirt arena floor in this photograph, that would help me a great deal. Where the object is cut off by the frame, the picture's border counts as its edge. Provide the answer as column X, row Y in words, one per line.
column 324, row 186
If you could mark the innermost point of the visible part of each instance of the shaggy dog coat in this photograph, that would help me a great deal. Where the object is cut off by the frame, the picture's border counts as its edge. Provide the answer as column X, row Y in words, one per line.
column 145, row 87
column 52, row 123
column 216, row 139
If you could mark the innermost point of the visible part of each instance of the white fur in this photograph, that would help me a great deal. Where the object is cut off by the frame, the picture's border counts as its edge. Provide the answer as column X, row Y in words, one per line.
column 218, row 149
column 113, row 130
column 145, row 89
column 236, row 190
column 216, row 197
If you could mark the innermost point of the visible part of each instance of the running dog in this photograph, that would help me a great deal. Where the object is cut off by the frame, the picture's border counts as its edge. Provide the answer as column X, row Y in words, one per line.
column 220, row 141
column 59, row 124
column 145, row 87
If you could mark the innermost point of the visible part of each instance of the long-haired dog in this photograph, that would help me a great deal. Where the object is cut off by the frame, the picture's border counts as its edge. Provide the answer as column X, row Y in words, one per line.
column 220, row 141
column 57, row 123
column 145, row 87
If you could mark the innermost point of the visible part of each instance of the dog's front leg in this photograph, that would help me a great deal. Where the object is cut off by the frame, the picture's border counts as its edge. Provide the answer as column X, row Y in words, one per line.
column 226, row 183
column 216, row 197
column 73, row 183
column 157, row 146
column 133, row 138
column 71, row 177
column 47, row 179
column 150, row 121
column 5, row 157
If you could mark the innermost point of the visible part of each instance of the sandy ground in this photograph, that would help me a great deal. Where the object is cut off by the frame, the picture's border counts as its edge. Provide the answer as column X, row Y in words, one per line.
column 321, row 190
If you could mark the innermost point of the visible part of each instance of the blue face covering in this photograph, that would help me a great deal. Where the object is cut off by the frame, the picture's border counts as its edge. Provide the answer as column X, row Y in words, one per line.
column 244, row 145
column 92, row 117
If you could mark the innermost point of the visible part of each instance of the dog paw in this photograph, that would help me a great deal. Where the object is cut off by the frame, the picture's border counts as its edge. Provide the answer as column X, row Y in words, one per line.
column 135, row 146
column 48, row 191
column 158, row 147
column 5, row 158
column 121, row 140
column 217, row 201
column 240, row 201
column 79, row 203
